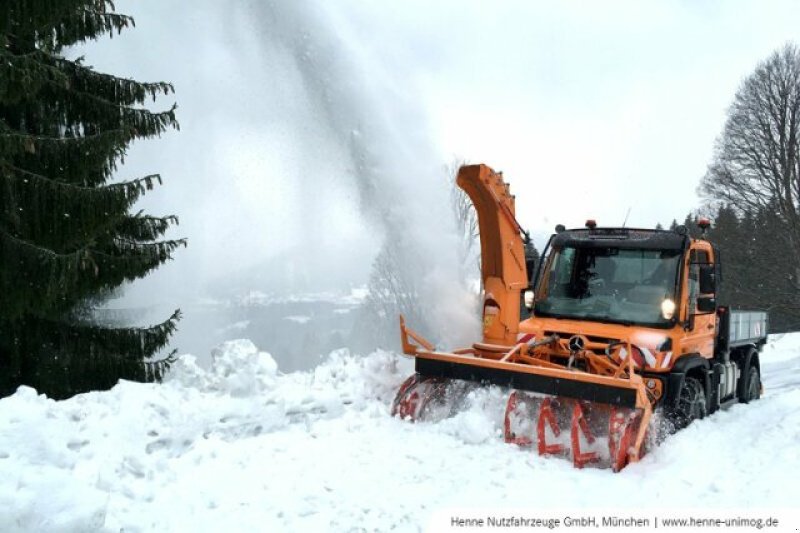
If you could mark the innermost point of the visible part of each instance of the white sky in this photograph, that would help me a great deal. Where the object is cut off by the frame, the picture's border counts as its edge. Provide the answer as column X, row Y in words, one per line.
column 590, row 108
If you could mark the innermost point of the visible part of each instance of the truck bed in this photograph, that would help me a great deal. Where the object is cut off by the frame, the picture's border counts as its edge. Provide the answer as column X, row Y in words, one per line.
column 738, row 328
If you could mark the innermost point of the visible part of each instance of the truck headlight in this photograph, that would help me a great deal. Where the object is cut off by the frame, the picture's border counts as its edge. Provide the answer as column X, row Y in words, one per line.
column 667, row 309
column 528, row 299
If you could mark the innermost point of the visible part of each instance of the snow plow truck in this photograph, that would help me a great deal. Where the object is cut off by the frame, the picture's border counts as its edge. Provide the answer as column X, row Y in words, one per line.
column 623, row 324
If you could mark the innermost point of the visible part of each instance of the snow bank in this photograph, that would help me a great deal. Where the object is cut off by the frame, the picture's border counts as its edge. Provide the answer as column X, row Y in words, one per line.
column 237, row 367
column 103, row 460
column 781, row 347
column 241, row 446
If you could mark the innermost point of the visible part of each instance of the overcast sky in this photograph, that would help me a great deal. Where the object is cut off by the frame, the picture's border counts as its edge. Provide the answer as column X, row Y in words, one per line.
column 590, row 108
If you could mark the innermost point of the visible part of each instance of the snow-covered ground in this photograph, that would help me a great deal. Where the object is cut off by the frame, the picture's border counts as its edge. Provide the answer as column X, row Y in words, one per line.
column 243, row 447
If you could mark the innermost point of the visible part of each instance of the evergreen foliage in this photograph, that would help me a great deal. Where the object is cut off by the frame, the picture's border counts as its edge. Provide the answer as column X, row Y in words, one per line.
column 67, row 234
column 531, row 259
column 755, row 273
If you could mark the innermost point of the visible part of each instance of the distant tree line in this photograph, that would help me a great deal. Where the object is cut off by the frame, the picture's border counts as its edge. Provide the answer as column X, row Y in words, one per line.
column 755, row 273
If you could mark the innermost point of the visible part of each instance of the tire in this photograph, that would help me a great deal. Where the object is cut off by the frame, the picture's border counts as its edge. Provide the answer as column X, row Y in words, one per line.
column 752, row 387
column 691, row 404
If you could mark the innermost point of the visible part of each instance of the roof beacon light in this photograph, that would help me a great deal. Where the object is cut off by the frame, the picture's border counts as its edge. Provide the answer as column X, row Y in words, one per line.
column 703, row 223
column 591, row 223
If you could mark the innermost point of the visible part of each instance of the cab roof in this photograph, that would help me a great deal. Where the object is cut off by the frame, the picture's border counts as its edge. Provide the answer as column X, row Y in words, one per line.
column 626, row 238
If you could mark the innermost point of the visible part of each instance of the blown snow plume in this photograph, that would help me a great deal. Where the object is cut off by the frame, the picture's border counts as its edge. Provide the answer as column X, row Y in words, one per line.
column 402, row 194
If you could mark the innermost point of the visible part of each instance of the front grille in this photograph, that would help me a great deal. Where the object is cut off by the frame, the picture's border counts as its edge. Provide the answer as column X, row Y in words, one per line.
column 592, row 338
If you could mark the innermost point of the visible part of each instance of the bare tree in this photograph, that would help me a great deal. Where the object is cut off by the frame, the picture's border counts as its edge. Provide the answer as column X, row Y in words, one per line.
column 756, row 165
column 394, row 287
column 392, row 292
column 757, row 161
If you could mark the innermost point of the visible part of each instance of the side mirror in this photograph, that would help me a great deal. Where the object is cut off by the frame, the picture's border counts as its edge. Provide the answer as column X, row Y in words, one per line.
column 708, row 279
column 706, row 304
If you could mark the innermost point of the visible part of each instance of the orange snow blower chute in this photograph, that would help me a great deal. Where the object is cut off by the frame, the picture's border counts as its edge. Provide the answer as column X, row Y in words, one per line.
column 576, row 392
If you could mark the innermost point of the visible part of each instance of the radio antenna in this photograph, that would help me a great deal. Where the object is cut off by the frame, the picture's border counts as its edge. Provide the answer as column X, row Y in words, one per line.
column 626, row 217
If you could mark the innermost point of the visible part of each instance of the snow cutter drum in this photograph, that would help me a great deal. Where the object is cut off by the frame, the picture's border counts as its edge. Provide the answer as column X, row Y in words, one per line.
column 429, row 399
column 590, row 434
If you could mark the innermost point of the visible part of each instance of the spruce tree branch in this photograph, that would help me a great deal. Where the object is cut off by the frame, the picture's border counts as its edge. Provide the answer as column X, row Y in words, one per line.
column 108, row 103
column 67, row 72
column 10, row 133
column 79, row 253
column 153, row 245
column 146, row 88
column 153, row 328
column 141, row 184
column 145, row 228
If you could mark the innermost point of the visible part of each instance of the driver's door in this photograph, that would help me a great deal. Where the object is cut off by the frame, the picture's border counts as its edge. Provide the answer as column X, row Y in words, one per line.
column 702, row 321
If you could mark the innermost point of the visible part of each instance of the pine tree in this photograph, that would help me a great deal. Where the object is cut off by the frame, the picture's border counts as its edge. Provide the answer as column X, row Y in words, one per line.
column 690, row 223
column 67, row 234
column 725, row 234
column 531, row 259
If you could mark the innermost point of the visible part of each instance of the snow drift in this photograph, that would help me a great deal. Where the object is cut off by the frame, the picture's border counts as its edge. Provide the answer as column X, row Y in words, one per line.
column 241, row 446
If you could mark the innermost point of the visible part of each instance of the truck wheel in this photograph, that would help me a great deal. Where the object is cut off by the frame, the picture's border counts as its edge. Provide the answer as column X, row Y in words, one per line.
column 691, row 404
column 752, row 388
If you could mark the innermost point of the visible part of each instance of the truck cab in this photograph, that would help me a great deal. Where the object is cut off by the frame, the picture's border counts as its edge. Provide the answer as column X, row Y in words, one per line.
column 652, row 290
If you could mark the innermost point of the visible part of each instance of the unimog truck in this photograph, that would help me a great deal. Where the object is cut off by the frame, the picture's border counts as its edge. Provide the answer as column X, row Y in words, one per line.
column 622, row 322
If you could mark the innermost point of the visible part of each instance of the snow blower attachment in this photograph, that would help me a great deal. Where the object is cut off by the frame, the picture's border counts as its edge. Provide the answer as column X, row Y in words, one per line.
column 595, row 418
column 623, row 321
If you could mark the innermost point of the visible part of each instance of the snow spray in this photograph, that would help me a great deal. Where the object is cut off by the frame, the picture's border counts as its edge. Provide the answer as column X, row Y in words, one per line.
column 389, row 160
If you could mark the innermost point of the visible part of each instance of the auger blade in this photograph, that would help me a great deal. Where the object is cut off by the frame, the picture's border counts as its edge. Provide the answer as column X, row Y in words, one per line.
column 551, row 437
column 536, row 420
column 604, row 436
column 429, row 399
column 590, row 434
column 623, row 428
column 520, row 419
column 587, row 429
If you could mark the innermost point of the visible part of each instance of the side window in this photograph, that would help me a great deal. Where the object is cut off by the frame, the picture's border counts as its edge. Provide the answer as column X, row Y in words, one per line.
column 563, row 266
column 696, row 258
column 543, row 281
column 554, row 276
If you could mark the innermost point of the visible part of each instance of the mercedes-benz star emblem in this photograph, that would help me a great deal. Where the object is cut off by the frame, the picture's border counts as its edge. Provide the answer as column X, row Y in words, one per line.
column 576, row 343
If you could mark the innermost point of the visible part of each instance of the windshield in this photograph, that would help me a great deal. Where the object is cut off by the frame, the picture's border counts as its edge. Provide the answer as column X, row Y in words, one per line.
column 609, row 284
